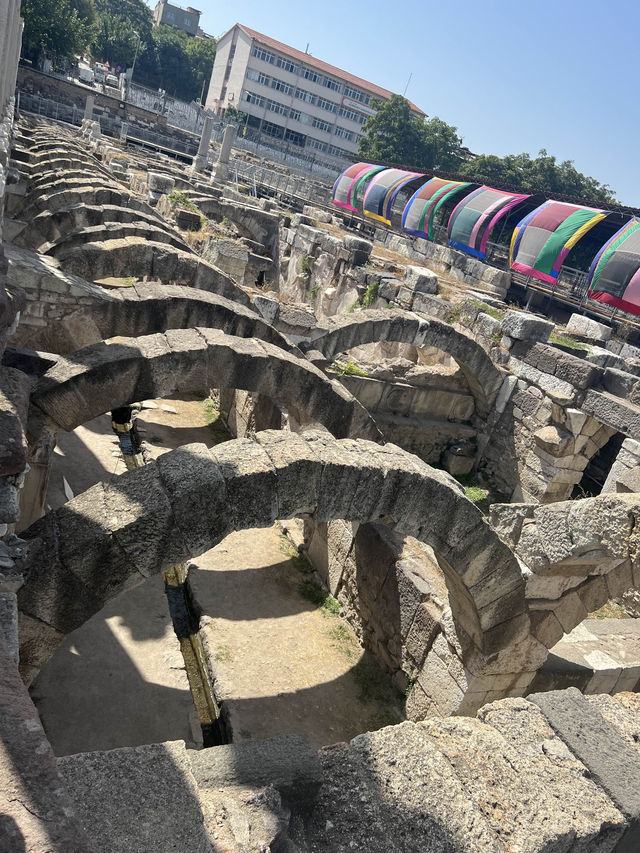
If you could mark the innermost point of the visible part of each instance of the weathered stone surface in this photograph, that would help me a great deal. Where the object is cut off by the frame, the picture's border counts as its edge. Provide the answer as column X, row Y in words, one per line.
column 613, row 765
column 137, row 799
column 37, row 814
column 588, row 329
column 524, row 327
column 286, row 763
column 421, row 280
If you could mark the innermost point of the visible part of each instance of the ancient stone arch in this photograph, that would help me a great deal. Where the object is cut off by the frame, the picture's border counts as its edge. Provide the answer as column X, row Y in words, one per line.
column 47, row 226
column 86, row 194
column 114, row 231
column 135, row 256
column 365, row 327
column 105, row 376
column 86, row 552
column 146, row 308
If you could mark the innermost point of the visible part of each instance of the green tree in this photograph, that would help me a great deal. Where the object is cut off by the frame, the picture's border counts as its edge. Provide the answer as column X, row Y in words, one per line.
column 541, row 174
column 396, row 135
column 54, row 27
column 393, row 134
column 115, row 41
column 176, row 62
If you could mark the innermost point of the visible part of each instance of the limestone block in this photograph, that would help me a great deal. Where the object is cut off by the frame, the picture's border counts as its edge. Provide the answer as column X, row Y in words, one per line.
column 523, row 327
column 588, row 329
column 612, row 764
column 575, row 420
column 160, row 183
column 421, row 280
column 554, row 440
column 360, row 249
column 268, row 308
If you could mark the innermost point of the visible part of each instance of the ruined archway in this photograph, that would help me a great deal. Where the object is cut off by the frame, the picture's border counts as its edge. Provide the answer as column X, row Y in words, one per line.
column 343, row 333
column 90, row 549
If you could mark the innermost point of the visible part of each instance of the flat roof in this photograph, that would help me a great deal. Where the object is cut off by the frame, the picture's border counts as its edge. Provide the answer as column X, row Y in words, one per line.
column 308, row 59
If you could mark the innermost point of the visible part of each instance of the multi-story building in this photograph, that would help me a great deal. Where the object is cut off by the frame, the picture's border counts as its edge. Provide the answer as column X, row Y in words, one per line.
column 290, row 95
column 175, row 16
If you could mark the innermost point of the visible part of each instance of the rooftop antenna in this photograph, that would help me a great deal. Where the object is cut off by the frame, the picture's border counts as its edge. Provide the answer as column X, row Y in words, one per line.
column 407, row 86
column 306, row 50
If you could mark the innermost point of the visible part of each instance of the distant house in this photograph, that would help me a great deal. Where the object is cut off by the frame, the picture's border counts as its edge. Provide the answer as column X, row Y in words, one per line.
column 175, row 16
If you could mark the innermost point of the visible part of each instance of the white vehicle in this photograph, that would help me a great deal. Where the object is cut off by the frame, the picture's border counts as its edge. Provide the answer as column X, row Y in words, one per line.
column 85, row 73
column 100, row 72
column 112, row 80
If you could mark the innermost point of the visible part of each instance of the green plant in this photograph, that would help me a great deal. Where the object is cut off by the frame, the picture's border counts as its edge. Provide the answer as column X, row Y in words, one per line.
column 314, row 593
column 314, row 291
column 496, row 313
column 214, row 421
column 623, row 331
column 343, row 639
column 179, row 198
column 476, row 493
column 496, row 337
column 370, row 295
column 566, row 341
column 454, row 313
column 305, row 267
column 299, row 561
column 348, row 369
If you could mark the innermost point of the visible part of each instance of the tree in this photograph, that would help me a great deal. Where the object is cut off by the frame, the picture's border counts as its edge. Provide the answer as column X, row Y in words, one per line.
column 115, row 41
column 176, row 62
column 392, row 134
column 542, row 174
column 54, row 27
column 396, row 135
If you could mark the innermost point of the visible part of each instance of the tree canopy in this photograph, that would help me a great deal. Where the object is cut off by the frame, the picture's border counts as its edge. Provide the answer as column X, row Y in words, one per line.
column 395, row 135
column 61, row 28
column 113, row 30
column 540, row 174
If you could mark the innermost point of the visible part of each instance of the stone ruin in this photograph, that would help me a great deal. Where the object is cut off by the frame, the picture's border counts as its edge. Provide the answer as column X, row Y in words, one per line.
column 125, row 277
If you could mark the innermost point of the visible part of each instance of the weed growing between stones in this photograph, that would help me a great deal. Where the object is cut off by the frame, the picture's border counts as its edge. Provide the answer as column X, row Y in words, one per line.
column 348, row 369
column 566, row 341
column 179, row 198
column 305, row 267
column 214, row 420
column 492, row 312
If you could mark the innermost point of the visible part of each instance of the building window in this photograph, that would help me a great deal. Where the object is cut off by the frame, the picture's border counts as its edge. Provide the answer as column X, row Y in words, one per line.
column 332, row 84
column 321, row 125
column 264, row 55
column 223, row 93
column 352, row 115
column 287, row 65
column 275, row 107
column 296, row 138
column 274, row 130
column 343, row 133
column 294, row 114
column 324, row 104
column 232, row 52
column 258, row 76
column 281, row 86
column 252, row 98
column 310, row 74
column 316, row 144
column 337, row 152
column 303, row 95
column 356, row 95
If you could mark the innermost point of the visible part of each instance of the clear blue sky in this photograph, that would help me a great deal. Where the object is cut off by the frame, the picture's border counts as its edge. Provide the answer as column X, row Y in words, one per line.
column 512, row 76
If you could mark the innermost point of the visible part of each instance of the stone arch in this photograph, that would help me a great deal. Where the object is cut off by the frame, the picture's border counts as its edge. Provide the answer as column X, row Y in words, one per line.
column 105, row 376
column 262, row 226
column 86, row 194
column 134, row 256
column 49, row 226
column 147, row 308
column 345, row 332
column 89, row 550
column 114, row 231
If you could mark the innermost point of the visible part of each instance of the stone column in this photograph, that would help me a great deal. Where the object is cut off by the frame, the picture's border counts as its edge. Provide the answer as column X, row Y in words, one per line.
column 88, row 107
column 221, row 168
column 202, row 156
column 124, row 127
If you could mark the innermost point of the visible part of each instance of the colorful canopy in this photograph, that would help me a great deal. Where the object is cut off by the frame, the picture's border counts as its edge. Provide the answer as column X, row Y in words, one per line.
column 346, row 187
column 543, row 239
column 382, row 190
column 419, row 214
column 614, row 276
column 475, row 216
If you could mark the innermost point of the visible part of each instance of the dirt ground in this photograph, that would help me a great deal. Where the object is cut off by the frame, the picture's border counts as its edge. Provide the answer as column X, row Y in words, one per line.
column 284, row 664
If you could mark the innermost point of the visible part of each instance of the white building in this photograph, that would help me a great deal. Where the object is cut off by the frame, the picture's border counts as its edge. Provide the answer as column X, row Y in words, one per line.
column 290, row 95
